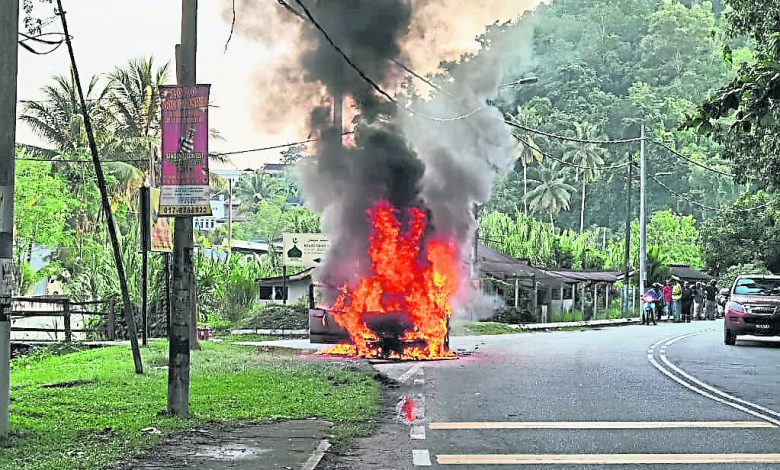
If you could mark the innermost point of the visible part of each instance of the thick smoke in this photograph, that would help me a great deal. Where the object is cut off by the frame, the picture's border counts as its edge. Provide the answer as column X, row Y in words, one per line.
column 442, row 155
column 438, row 31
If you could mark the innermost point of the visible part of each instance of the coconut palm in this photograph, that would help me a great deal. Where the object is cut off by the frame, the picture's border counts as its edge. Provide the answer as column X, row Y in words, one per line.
column 135, row 106
column 587, row 155
column 551, row 193
column 527, row 152
column 57, row 117
column 253, row 188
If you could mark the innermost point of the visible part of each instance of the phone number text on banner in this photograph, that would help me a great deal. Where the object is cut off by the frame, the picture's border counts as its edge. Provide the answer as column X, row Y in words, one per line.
column 185, row 151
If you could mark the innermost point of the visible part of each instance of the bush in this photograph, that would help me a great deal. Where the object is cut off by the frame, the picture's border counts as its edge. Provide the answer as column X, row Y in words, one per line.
column 275, row 316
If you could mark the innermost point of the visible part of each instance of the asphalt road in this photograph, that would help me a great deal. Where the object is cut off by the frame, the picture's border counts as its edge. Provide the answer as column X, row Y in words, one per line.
column 585, row 398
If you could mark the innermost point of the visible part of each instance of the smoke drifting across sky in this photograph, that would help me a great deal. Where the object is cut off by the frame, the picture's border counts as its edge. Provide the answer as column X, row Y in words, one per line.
column 412, row 157
column 438, row 30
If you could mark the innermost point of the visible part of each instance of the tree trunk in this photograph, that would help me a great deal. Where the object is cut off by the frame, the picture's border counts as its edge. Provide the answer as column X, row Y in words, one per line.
column 525, row 188
column 552, row 222
column 582, row 209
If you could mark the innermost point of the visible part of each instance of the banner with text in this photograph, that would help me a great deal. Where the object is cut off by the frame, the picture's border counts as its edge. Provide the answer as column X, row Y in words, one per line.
column 161, row 230
column 185, row 151
column 304, row 249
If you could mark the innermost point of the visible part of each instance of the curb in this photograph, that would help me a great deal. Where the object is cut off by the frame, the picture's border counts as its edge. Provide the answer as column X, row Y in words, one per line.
column 317, row 456
column 270, row 332
column 575, row 324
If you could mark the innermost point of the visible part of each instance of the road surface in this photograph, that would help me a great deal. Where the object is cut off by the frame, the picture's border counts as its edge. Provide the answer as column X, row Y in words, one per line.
column 669, row 396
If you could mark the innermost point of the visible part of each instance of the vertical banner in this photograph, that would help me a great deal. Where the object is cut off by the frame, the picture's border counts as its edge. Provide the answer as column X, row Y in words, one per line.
column 161, row 230
column 185, row 151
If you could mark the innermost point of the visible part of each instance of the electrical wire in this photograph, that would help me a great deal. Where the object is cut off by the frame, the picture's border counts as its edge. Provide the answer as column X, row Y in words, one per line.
column 273, row 147
column 573, row 165
column 690, row 160
column 712, row 208
column 571, row 139
column 343, row 55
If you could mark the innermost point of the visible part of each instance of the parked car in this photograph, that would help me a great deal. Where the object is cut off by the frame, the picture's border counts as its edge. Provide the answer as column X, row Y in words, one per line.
column 752, row 307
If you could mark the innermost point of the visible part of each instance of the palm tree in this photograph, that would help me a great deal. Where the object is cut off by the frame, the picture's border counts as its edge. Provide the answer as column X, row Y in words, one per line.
column 256, row 187
column 527, row 152
column 586, row 155
column 57, row 117
column 551, row 192
column 135, row 106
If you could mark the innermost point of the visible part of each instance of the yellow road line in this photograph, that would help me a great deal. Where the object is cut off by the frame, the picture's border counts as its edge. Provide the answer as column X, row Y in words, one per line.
column 604, row 459
column 600, row 425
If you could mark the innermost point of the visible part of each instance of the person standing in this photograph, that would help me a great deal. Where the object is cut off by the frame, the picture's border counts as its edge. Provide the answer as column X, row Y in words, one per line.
column 687, row 302
column 676, row 301
column 711, row 300
column 698, row 300
column 667, row 292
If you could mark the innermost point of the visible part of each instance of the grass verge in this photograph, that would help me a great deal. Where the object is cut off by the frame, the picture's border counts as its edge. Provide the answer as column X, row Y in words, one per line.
column 88, row 410
column 464, row 328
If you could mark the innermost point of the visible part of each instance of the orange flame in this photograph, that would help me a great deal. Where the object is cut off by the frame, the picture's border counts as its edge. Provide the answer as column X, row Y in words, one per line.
column 410, row 288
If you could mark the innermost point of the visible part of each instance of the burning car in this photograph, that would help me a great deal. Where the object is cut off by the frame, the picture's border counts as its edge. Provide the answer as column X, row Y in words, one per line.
column 400, row 308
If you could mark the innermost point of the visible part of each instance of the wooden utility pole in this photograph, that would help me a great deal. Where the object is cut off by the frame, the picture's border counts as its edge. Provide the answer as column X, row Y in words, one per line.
column 9, row 30
column 183, row 307
column 145, row 218
column 230, row 219
column 127, row 305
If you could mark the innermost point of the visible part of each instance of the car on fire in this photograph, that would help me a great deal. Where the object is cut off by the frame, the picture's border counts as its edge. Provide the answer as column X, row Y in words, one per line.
column 389, row 327
column 322, row 326
column 752, row 307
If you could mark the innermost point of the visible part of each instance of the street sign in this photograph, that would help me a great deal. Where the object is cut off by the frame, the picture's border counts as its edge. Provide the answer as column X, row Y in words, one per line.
column 304, row 249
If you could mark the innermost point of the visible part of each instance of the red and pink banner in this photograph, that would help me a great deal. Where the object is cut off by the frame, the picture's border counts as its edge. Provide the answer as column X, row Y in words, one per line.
column 185, row 151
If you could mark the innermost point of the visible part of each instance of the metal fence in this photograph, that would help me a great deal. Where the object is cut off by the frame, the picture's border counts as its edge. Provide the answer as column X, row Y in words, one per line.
column 57, row 318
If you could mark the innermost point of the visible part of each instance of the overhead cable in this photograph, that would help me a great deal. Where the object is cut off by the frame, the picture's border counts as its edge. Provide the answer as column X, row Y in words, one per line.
column 573, row 165
column 690, row 160
column 712, row 208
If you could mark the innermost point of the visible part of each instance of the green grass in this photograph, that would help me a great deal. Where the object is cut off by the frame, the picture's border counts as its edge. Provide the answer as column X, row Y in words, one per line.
column 249, row 337
column 482, row 328
column 86, row 410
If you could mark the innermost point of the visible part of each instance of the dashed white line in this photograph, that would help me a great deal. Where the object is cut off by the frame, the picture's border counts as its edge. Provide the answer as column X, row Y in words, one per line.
column 417, row 433
column 421, row 458
column 409, row 373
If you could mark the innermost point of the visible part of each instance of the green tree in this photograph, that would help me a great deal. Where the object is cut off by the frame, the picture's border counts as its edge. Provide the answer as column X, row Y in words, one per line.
column 254, row 188
column 740, row 235
column 589, row 156
column 551, row 193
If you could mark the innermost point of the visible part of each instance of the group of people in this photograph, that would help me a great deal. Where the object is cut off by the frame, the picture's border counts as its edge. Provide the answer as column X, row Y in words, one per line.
column 680, row 301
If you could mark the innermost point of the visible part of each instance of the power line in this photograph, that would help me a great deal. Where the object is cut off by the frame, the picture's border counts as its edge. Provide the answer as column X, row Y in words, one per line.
column 274, row 147
column 573, row 165
column 712, row 208
column 690, row 160
column 571, row 139
column 341, row 52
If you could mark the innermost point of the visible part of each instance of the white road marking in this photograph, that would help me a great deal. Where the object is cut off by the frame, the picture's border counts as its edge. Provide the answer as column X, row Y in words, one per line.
column 600, row 425
column 409, row 373
column 603, row 459
column 417, row 433
column 728, row 400
column 421, row 458
column 419, row 381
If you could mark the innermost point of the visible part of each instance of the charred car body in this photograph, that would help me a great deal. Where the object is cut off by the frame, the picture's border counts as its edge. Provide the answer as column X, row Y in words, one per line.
column 389, row 327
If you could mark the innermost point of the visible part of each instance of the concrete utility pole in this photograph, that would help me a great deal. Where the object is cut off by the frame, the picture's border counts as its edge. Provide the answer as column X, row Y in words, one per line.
column 642, row 217
column 627, row 256
column 183, row 281
column 9, row 31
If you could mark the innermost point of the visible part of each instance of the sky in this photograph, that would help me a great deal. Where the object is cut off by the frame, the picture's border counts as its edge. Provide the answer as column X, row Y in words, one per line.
column 107, row 33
